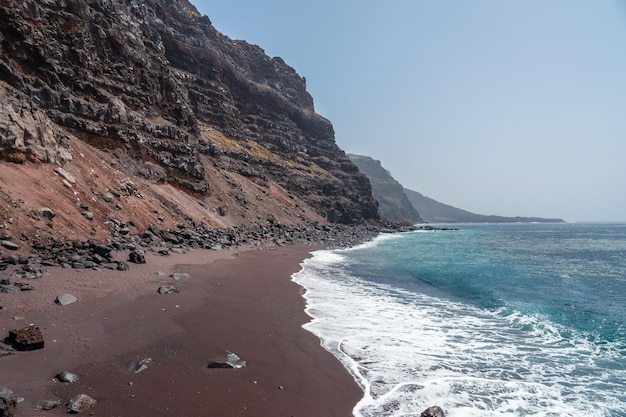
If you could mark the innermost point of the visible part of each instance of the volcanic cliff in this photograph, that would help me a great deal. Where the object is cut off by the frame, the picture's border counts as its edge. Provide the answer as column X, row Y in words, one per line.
column 394, row 204
column 140, row 112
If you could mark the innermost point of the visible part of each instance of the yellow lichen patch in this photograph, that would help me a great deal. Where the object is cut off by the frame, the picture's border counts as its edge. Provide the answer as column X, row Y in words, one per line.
column 225, row 143
column 255, row 149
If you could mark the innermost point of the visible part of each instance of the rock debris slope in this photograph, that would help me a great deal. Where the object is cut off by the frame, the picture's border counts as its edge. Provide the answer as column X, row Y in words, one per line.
column 147, row 101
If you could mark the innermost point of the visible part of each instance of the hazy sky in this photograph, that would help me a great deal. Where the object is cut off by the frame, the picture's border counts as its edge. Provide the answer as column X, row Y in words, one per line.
column 497, row 107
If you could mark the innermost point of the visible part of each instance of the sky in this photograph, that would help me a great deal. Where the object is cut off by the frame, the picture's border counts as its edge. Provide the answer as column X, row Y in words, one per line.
column 512, row 108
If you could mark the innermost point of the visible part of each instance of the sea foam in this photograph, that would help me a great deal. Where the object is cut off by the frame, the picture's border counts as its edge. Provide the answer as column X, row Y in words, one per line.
column 409, row 350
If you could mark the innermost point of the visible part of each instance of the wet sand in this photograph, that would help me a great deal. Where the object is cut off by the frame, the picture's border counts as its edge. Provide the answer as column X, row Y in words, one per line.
column 234, row 301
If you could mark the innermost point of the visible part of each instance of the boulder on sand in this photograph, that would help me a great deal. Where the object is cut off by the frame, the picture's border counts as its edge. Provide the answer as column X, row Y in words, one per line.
column 66, row 299
column 137, row 258
column 28, row 338
column 7, row 403
column 79, row 403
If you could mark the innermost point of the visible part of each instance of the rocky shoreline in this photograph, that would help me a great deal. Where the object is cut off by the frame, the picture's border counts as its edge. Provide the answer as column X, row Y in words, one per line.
column 92, row 254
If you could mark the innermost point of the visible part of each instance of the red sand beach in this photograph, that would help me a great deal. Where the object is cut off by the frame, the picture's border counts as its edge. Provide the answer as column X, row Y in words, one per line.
column 242, row 302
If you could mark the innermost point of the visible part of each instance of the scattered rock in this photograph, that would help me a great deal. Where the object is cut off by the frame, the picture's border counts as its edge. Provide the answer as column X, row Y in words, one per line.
column 433, row 412
column 26, row 272
column 136, row 257
column 66, row 299
column 10, row 259
column 66, row 376
column 79, row 403
column 6, row 350
column 8, row 401
column 88, row 215
column 23, row 286
column 180, row 275
column 65, row 175
column 137, row 367
column 232, row 362
column 106, row 196
column 47, row 405
column 28, row 338
column 47, row 213
column 7, row 287
column 168, row 289
column 9, row 245
column 122, row 266
column 222, row 210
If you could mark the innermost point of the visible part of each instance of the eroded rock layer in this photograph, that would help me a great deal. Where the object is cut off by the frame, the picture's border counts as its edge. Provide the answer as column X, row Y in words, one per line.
column 156, row 87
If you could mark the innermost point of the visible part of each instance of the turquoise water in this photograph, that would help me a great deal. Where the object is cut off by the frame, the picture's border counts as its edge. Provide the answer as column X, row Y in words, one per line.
column 489, row 320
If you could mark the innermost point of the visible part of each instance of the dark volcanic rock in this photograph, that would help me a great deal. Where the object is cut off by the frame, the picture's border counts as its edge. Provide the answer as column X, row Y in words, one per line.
column 220, row 365
column 9, row 245
column 28, row 338
column 433, row 412
column 137, row 258
column 168, row 289
column 8, row 402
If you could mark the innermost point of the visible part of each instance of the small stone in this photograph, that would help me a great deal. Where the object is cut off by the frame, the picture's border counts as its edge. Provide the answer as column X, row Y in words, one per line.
column 8, row 401
column 9, row 245
column 122, row 266
column 66, row 299
column 65, row 175
column 47, row 405
column 180, row 275
column 106, row 196
column 47, row 213
column 136, row 257
column 140, row 366
column 168, row 289
column 79, row 403
column 88, row 215
column 66, row 376
column 11, row 259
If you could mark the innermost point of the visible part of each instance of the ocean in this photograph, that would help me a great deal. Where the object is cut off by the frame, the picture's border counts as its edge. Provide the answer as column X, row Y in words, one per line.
column 487, row 320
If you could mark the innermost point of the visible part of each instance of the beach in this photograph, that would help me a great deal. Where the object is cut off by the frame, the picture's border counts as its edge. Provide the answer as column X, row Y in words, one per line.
column 239, row 301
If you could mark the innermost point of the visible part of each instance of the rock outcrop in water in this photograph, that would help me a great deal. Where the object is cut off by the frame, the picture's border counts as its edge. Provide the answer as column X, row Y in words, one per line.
column 145, row 102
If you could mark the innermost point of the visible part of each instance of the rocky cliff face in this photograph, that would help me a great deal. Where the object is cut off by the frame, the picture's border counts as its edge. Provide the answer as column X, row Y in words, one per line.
column 393, row 204
column 153, row 92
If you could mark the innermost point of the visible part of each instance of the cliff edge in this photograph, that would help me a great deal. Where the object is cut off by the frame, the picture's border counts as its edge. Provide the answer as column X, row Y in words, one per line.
column 147, row 102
